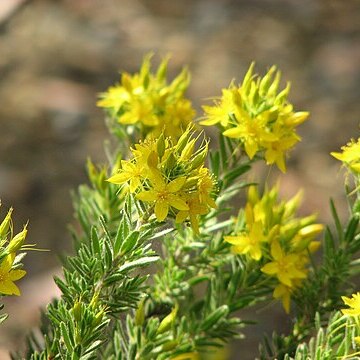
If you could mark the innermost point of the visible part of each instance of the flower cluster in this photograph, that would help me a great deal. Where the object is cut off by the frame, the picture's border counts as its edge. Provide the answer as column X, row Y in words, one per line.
column 148, row 102
column 275, row 236
column 9, row 262
column 260, row 117
column 170, row 179
column 350, row 156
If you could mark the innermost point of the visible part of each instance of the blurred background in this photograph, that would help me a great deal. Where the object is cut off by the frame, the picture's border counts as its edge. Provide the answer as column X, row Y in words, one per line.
column 57, row 55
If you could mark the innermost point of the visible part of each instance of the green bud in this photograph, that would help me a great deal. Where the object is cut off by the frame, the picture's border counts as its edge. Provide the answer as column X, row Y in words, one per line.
column 171, row 161
column 254, row 94
column 199, row 159
column 4, row 227
column 167, row 321
column 153, row 160
column 188, row 150
column 77, row 310
column 17, row 241
column 91, row 170
column 94, row 301
column 282, row 96
column 126, row 82
column 140, row 314
column 297, row 118
column 265, row 81
column 98, row 318
column 170, row 345
column 247, row 78
column 183, row 140
column 162, row 70
column 160, row 145
column 275, row 85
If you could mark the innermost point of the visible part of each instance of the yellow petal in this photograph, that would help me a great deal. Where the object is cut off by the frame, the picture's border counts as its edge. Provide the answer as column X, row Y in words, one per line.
column 177, row 202
column 270, row 268
column 147, row 195
column 251, row 148
column 181, row 216
column 176, row 185
column 119, row 178
column 161, row 210
column 235, row 132
column 284, row 278
column 17, row 274
column 255, row 252
column 239, row 240
column 9, row 288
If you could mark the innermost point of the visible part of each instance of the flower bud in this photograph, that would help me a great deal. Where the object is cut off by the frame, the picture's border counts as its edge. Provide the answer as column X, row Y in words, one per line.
column 98, row 318
column 161, row 146
column 311, row 230
column 17, row 241
column 199, row 159
column 77, row 310
column 4, row 227
column 183, row 140
column 167, row 321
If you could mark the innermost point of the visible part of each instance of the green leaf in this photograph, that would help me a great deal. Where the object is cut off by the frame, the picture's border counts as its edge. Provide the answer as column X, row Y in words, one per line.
column 337, row 221
column 130, row 242
column 138, row 263
column 65, row 336
column 211, row 320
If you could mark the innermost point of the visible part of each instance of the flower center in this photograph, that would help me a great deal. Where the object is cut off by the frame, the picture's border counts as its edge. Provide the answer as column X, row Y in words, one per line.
column 162, row 195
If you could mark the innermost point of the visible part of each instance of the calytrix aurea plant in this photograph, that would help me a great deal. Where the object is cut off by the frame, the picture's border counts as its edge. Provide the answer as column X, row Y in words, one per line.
column 217, row 243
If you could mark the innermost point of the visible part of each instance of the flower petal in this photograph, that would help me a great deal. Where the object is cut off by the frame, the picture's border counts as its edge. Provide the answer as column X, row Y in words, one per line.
column 270, row 268
column 17, row 274
column 181, row 216
column 176, row 184
column 177, row 202
column 119, row 178
column 239, row 240
column 147, row 195
column 7, row 287
column 161, row 210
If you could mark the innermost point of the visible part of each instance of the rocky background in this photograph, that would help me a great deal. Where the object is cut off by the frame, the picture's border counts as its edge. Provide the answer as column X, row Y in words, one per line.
column 57, row 55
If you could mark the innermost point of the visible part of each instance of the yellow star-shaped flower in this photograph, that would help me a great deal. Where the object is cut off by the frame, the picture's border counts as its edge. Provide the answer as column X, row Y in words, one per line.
column 8, row 276
column 164, row 195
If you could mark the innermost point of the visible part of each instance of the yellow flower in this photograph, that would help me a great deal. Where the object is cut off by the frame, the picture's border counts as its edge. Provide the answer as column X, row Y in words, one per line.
column 164, row 195
column 8, row 276
column 206, row 186
column 195, row 208
column 130, row 172
column 248, row 243
column 223, row 109
column 251, row 133
column 350, row 155
column 143, row 150
column 284, row 267
column 276, row 150
column 354, row 303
